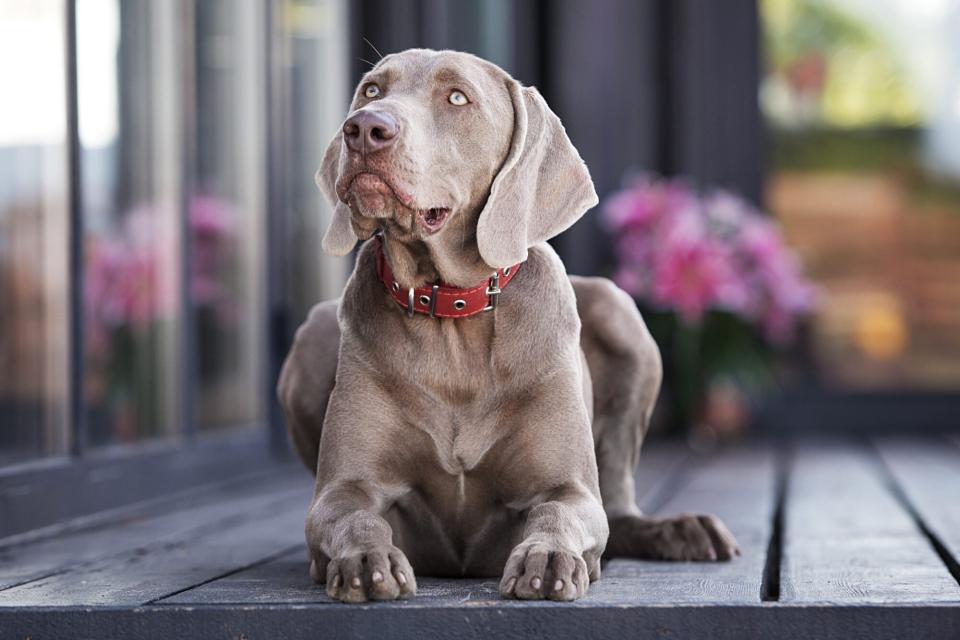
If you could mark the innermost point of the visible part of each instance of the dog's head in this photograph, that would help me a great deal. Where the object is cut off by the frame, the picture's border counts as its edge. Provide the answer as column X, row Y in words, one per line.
column 442, row 142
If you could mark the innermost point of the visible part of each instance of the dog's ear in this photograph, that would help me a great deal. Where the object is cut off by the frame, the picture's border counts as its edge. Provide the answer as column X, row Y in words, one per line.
column 542, row 188
column 340, row 238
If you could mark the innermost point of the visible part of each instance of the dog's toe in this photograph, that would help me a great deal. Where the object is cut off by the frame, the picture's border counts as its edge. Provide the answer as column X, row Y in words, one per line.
column 567, row 577
column 382, row 583
column 376, row 574
column 724, row 544
column 538, row 571
column 402, row 573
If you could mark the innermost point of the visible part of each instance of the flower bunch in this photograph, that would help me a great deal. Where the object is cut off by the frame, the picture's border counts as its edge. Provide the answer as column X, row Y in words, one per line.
column 129, row 277
column 690, row 253
column 131, row 273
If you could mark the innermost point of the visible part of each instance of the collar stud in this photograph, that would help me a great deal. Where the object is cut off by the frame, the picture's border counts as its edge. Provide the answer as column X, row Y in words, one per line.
column 441, row 300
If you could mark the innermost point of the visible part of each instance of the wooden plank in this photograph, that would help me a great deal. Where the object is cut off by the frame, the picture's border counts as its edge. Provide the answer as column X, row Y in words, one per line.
column 274, row 596
column 281, row 580
column 739, row 487
column 138, row 530
column 848, row 540
column 181, row 560
column 533, row 620
column 285, row 579
column 93, row 549
column 46, row 493
column 928, row 474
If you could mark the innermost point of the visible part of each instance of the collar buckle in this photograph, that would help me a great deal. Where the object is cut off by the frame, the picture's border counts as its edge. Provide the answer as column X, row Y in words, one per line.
column 493, row 291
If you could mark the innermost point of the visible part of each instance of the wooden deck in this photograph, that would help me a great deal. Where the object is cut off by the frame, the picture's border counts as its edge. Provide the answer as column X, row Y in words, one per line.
column 839, row 539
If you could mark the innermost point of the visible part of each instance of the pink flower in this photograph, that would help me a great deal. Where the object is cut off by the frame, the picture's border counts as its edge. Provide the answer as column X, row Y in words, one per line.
column 212, row 222
column 760, row 240
column 693, row 253
column 211, row 217
column 644, row 202
column 783, row 293
column 692, row 272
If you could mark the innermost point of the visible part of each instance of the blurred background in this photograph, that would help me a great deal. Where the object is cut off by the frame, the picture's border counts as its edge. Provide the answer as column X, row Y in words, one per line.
column 160, row 229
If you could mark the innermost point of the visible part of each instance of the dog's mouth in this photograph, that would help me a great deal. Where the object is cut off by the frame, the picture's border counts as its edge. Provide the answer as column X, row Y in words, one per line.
column 378, row 197
column 432, row 219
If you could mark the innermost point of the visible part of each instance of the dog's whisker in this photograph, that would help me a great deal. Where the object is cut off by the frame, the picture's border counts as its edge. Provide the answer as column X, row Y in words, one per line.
column 377, row 51
column 367, row 61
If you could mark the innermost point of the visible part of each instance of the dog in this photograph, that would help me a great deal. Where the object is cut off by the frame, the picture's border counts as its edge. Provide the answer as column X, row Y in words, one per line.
column 467, row 407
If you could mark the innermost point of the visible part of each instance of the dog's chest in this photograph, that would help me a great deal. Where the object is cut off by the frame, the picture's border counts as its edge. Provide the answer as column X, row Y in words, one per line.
column 461, row 437
column 456, row 393
column 457, row 504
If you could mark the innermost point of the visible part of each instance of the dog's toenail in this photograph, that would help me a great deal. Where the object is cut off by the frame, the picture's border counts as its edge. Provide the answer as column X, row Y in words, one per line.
column 510, row 584
column 402, row 579
column 377, row 576
column 336, row 581
column 536, row 583
column 558, row 585
column 355, row 583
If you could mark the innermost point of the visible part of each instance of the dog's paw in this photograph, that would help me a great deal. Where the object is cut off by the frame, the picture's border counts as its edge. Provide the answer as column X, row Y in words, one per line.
column 379, row 573
column 688, row 536
column 537, row 570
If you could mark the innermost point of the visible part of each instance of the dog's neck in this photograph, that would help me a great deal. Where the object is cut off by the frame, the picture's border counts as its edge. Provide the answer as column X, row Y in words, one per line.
column 452, row 261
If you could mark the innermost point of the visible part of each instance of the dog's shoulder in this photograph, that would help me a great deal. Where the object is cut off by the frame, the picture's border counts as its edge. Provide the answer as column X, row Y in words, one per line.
column 541, row 301
column 546, row 278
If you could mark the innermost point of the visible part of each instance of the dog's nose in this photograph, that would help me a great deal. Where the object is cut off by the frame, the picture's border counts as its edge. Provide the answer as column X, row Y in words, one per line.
column 369, row 131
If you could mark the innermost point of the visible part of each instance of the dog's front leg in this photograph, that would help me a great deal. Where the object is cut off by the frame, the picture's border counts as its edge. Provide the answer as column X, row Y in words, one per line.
column 560, row 553
column 351, row 546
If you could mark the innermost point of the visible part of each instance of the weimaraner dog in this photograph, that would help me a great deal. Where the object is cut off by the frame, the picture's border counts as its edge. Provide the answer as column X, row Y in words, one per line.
column 468, row 408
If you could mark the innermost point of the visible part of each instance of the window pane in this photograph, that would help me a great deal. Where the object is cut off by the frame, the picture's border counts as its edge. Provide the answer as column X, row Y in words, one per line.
column 226, row 213
column 33, row 231
column 128, row 124
column 864, row 106
column 309, row 96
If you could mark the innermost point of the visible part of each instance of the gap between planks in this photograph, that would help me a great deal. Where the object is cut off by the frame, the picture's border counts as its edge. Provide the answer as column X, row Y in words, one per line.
column 289, row 550
column 900, row 494
column 48, row 557
column 848, row 539
column 193, row 496
column 773, row 566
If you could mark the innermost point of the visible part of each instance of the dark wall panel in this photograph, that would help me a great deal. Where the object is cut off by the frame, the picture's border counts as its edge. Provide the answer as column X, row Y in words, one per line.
column 714, row 70
column 603, row 82
column 650, row 85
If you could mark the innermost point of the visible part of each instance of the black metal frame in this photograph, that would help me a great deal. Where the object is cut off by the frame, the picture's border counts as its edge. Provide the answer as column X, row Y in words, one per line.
column 48, row 492
column 188, row 332
column 76, row 413
column 279, row 325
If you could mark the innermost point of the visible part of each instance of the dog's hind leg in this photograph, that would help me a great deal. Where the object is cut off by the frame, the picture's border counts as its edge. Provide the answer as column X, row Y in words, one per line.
column 307, row 379
column 625, row 368
column 626, row 371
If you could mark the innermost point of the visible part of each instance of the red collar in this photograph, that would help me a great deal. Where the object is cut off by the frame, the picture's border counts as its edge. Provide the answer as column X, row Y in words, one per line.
column 442, row 301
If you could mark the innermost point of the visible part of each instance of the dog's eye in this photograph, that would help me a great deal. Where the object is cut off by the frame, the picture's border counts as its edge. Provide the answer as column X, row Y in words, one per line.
column 372, row 91
column 457, row 98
